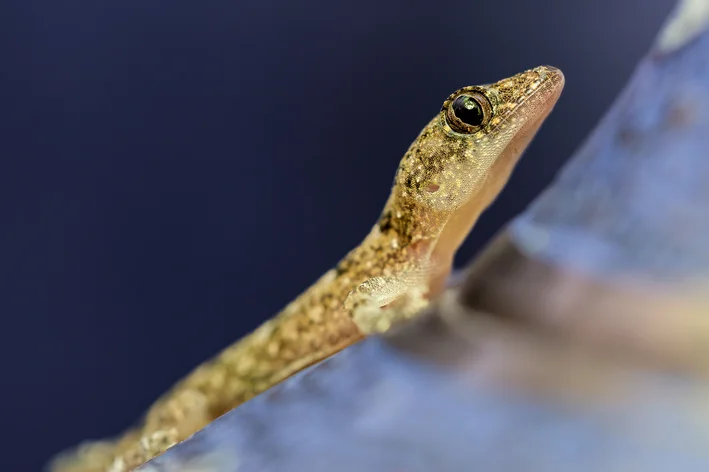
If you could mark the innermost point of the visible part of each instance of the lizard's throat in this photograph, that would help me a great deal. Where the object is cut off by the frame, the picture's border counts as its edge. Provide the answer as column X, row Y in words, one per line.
column 463, row 219
column 452, row 236
column 456, row 229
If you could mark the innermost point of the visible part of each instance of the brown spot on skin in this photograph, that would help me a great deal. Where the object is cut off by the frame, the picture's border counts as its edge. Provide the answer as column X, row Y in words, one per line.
column 385, row 222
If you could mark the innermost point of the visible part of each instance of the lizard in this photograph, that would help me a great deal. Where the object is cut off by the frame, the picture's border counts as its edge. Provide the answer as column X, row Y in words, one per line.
column 450, row 174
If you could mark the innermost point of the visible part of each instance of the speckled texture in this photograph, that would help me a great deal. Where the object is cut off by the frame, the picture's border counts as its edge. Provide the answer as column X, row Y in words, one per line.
column 445, row 180
column 469, row 390
column 464, row 391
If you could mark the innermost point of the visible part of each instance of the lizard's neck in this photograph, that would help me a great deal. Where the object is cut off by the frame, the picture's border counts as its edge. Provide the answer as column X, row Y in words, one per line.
column 388, row 253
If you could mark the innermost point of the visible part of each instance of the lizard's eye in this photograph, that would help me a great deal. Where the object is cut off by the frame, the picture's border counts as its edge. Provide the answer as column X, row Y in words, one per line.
column 468, row 112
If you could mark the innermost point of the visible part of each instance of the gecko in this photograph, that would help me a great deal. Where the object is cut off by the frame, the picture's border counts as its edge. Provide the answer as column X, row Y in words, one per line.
column 450, row 174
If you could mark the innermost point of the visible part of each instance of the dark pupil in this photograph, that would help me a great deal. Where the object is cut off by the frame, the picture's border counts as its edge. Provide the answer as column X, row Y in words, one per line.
column 468, row 110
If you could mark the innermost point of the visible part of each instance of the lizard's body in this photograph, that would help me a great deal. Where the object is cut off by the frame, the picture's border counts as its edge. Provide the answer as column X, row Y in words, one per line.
column 450, row 174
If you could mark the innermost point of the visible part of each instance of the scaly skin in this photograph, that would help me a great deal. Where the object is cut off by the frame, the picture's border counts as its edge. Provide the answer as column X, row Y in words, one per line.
column 449, row 175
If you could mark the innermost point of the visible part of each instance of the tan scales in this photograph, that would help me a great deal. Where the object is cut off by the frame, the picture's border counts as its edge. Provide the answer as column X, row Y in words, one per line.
column 453, row 171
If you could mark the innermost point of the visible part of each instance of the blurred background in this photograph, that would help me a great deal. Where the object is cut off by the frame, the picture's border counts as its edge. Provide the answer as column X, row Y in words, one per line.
column 173, row 173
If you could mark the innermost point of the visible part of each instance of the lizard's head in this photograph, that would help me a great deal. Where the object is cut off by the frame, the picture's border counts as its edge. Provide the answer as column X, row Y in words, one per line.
column 464, row 156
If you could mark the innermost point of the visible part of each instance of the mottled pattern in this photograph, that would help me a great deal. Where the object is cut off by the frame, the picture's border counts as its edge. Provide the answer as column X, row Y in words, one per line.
column 443, row 177
column 521, row 393
column 459, row 165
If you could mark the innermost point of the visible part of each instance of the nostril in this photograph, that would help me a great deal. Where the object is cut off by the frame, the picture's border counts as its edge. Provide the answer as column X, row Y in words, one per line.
column 432, row 188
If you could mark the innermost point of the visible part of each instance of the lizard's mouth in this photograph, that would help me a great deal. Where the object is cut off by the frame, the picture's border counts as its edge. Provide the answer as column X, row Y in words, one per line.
column 538, row 106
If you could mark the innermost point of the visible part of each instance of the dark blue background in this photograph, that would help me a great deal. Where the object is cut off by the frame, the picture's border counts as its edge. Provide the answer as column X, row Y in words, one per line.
column 172, row 173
